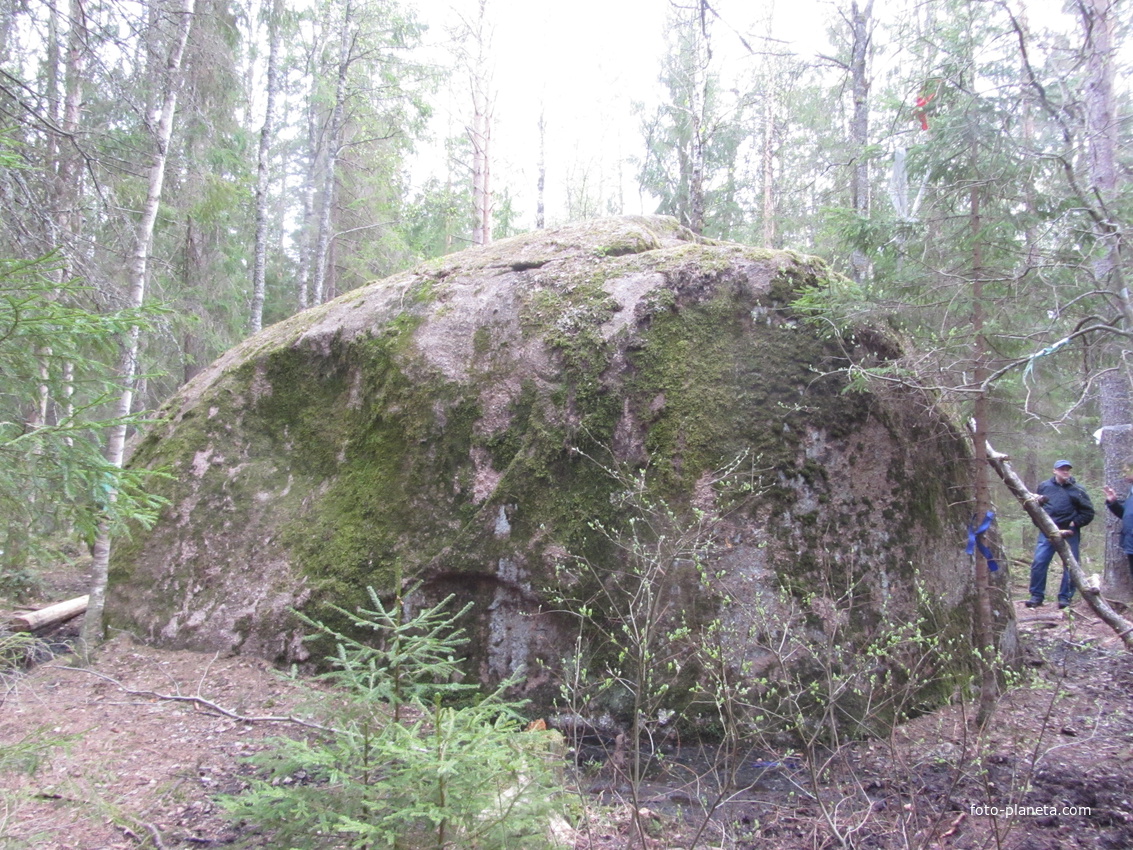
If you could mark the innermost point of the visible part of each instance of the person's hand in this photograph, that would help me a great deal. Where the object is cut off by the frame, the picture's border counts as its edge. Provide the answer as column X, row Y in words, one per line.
column 1110, row 493
column 1066, row 532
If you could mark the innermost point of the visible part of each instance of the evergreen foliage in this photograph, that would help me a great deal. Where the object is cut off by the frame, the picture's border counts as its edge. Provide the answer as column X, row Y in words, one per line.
column 55, row 483
column 412, row 759
column 985, row 192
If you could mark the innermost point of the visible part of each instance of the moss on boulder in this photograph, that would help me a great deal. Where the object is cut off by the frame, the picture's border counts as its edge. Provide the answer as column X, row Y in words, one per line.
column 439, row 427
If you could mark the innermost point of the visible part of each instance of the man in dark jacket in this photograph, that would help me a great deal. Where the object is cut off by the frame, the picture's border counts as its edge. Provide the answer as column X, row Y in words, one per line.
column 1117, row 507
column 1068, row 505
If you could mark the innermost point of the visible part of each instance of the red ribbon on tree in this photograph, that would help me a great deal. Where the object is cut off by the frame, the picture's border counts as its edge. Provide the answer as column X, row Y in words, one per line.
column 921, row 112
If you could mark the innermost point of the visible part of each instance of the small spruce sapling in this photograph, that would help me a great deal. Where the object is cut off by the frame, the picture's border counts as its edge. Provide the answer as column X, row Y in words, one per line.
column 406, row 765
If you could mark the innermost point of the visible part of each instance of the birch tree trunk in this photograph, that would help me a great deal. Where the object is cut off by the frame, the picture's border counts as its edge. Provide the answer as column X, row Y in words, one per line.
column 162, row 122
column 480, row 134
column 256, row 321
column 68, row 175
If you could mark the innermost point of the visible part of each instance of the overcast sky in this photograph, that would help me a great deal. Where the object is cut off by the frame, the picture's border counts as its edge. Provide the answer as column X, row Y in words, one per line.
column 585, row 63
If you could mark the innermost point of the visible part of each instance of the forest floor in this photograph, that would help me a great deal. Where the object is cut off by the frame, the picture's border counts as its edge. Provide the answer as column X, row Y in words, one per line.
column 1053, row 769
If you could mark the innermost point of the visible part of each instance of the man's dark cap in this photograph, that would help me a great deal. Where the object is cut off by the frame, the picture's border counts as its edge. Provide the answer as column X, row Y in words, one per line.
column 1058, row 464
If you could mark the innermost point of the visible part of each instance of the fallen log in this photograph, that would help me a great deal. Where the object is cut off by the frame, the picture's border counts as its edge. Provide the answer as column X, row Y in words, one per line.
column 1089, row 590
column 30, row 621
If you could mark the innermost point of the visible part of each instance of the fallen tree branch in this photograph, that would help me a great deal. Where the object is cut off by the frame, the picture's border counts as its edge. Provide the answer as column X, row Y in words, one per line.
column 1122, row 628
column 203, row 703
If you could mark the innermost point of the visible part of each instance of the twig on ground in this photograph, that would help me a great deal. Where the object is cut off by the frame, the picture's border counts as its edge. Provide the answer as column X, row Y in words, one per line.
column 154, row 835
column 203, row 703
column 152, row 830
column 205, row 672
column 955, row 825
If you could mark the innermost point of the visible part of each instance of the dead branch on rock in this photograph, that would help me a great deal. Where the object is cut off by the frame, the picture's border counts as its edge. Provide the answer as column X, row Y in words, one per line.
column 1122, row 627
column 203, row 703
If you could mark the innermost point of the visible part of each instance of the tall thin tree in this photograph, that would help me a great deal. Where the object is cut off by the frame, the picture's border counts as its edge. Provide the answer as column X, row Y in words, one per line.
column 263, row 156
column 320, row 261
column 161, row 120
column 861, row 29
column 478, row 66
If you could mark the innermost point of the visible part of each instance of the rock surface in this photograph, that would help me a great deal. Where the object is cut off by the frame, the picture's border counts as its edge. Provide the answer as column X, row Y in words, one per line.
column 471, row 426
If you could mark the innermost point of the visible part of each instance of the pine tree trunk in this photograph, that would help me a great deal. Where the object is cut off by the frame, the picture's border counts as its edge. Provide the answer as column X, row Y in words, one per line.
column 306, row 243
column 480, row 129
column 1102, row 137
column 1098, row 25
column 985, row 637
column 319, row 263
column 860, row 23
column 697, row 108
column 162, row 122
column 309, row 180
column 52, row 72
column 767, row 167
column 259, row 267
column 1117, row 448
column 1027, row 134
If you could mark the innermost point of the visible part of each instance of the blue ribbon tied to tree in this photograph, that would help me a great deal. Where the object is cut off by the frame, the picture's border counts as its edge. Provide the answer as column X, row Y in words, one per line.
column 975, row 540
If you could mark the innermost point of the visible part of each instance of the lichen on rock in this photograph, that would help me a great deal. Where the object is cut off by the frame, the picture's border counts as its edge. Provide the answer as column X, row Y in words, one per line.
column 441, row 428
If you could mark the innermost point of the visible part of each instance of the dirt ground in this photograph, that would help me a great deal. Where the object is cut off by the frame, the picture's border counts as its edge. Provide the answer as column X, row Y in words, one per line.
column 141, row 760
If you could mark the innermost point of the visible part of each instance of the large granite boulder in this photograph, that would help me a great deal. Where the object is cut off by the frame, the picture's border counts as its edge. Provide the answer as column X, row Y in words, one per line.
column 468, row 427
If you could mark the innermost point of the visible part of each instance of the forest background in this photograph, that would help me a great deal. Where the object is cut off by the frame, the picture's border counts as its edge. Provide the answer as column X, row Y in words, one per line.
column 177, row 174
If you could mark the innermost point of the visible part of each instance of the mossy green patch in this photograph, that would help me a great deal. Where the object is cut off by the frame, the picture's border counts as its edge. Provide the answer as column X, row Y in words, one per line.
column 383, row 450
column 482, row 340
column 713, row 382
